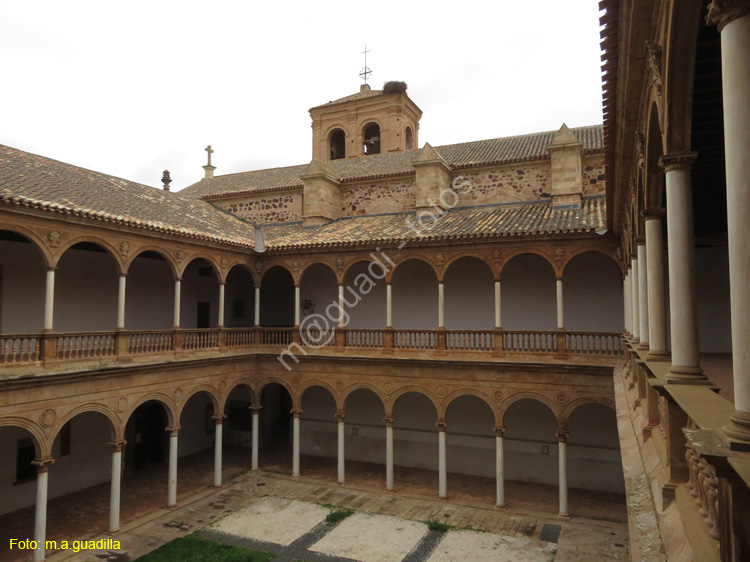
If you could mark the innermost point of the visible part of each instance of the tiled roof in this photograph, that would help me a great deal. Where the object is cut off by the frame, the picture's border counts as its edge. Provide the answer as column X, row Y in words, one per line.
column 495, row 221
column 35, row 181
column 469, row 154
column 358, row 96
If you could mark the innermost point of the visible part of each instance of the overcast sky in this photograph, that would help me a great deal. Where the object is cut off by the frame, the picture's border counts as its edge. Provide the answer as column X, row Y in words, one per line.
column 133, row 88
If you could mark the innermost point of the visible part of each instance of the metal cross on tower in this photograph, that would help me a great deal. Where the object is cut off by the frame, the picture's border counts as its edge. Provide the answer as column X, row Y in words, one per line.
column 364, row 74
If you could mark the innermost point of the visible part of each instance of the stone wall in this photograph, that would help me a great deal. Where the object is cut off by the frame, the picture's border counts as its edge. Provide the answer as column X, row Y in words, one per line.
column 392, row 195
column 278, row 206
column 503, row 184
column 593, row 175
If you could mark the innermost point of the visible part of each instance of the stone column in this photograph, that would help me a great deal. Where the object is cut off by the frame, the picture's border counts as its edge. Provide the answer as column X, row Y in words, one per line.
column 49, row 300
column 295, row 441
column 562, row 443
column 389, row 452
column 560, row 322
column 499, row 466
column 635, row 319
column 681, row 254
column 256, row 423
column 657, row 312
column 218, row 445
column 177, row 284
column 643, row 294
column 441, row 304
column 40, row 518
column 121, row 302
column 498, row 317
column 297, row 305
column 388, row 306
column 256, row 320
column 114, row 490
column 628, row 305
column 341, row 306
column 442, row 460
column 221, row 304
column 733, row 20
column 172, row 480
column 341, row 453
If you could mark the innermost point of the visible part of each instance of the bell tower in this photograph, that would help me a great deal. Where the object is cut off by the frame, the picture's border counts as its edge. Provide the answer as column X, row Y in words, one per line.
column 366, row 123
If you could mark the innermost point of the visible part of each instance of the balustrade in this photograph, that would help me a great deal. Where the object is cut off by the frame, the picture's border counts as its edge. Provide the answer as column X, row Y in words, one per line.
column 85, row 346
column 19, row 348
column 415, row 339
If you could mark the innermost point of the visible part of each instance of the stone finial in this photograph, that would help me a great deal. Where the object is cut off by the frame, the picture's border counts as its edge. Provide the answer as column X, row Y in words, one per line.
column 564, row 136
column 428, row 155
column 316, row 168
column 166, row 180
column 208, row 167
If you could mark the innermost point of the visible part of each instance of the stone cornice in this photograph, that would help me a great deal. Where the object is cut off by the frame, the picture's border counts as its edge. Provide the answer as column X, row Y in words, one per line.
column 723, row 12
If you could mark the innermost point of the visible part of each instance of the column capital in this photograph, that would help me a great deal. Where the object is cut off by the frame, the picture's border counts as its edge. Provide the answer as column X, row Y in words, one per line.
column 723, row 12
column 683, row 161
column 653, row 213
column 640, row 241
column 562, row 436
column 441, row 424
column 177, row 279
column 42, row 465
column 52, row 268
column 116, row 445
column 389, row 421
column 296, row 412
column 340, row 416
column 218, row 418
column 172, row 429
column 499, row 431
column 255, row 408
column 123, row 274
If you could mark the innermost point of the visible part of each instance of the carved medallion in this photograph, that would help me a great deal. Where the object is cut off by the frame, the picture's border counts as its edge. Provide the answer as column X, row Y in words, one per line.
column 177, row 395
column 121, row 404
column 339, row 386
column 54, row 238
column 340, row 264
column 47, row 417
column 497, row 256
column 559, row 253
column 180, row 256
column 388, row 388
column 258, row 267
column 561, row 399
column 499, row 395
column 222, row 386
column 224, row 262
column 440, row 258
column 441, row 391
column 125, row 249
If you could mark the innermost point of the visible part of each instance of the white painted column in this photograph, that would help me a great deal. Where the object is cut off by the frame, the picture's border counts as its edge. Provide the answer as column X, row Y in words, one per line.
column 442, row 460
column 256, row 424
column 626, row 301
column 49, row 301
column 498, row 318
column 441, row 305
column 634, row 300
column 297, row 304
column 389, row 452
column 733, row 20
column 683, row 306
column 222, row 286
column 341, row 306
column 256, row 320
column 121, row 302
column 40, row 518
column 643, row 294
column 500, row 467
column 388, row 305
column 562, row 443
column 341, row 452
column 114, row 490
column 177, row 286
column 218, row 446
column 657, row 311
column 172, row 481
column 295, row 441
column 560, row 319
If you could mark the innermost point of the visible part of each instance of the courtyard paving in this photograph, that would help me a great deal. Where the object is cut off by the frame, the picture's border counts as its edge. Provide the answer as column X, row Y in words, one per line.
column 597, row 531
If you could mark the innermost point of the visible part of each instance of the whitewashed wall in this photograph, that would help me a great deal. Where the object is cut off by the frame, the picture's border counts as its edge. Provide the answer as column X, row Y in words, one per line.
column 529, row 300
column 592, row 294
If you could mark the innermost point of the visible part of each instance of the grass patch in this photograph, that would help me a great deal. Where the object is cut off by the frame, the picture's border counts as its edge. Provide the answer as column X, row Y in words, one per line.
column 195, row 549
column 439, row 526
column 339, row 515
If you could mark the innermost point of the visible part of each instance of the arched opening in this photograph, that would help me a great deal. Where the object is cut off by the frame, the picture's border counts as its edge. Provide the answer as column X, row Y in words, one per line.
column 86, row 287
column 277, row 298
column 530, row 445
column 365, row 437
column 239, row 422
column 199, row 296
column 594, row 461
column 337, row 144
column 367, row 280
column 318, row 432
column 22, row 285
column 149, row 293
column 415, row 296
column 592, row 287
column 318, row 290
column 469, row 295
column 17, row 476
column 409, row 138
column 146, row 436
column 371, row 136
column 275, row 428
column 529, row 298
column 198, row 432
column 415, row 437
column 239, row 298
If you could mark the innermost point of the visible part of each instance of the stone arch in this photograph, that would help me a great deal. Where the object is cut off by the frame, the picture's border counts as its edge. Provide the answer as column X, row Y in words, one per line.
column 157, row 250
column 265, row 382
column 363, row 386
column 98, row 408
column 322, row 384
column 298, row 278
column 35, row 240
column 42, row 445
column 534, row 251
column 477, row 255
column 468, row 392
column 529, row 296
column 268, row 267
column 102, row 243
column 570, row 408
column 241, row 265
column 208, row 259
column 169, row 406
column 532, row 396
column 336, row 142
column 391, row 402
column 372, row 132
column 355, row 261
column 414, row 257
column 591, row 249
column 242, row 381
column 213, row 394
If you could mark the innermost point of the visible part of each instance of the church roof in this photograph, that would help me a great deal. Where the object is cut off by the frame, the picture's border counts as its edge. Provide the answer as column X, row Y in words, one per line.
column 464, row 155
column 535, row 218
column 34, row 181
column 362, row 94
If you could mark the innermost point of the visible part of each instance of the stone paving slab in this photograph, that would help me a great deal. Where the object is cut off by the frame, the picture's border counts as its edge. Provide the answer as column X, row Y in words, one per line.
column 486, row 547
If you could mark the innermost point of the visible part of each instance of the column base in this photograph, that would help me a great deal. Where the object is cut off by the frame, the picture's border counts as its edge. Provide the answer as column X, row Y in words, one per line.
column 443, row 498
column 737, row 432
column 113, row 531
column 340, row 482
column 643, row 346
column 656, row 355
column 686, row 375
column 563, row 515
column 501, row 506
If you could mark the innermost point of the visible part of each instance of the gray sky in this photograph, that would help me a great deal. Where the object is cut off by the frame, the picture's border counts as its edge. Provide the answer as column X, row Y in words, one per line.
column 133, row 88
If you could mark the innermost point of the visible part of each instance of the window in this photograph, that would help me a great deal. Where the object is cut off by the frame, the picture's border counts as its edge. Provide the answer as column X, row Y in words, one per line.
column 372, row 139
column 338, row 144
column 409, row 139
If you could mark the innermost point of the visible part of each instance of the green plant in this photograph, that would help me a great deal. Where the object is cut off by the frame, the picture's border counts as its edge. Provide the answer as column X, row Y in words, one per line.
column 439, row 526
column 194, row 548
column 339, row 515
